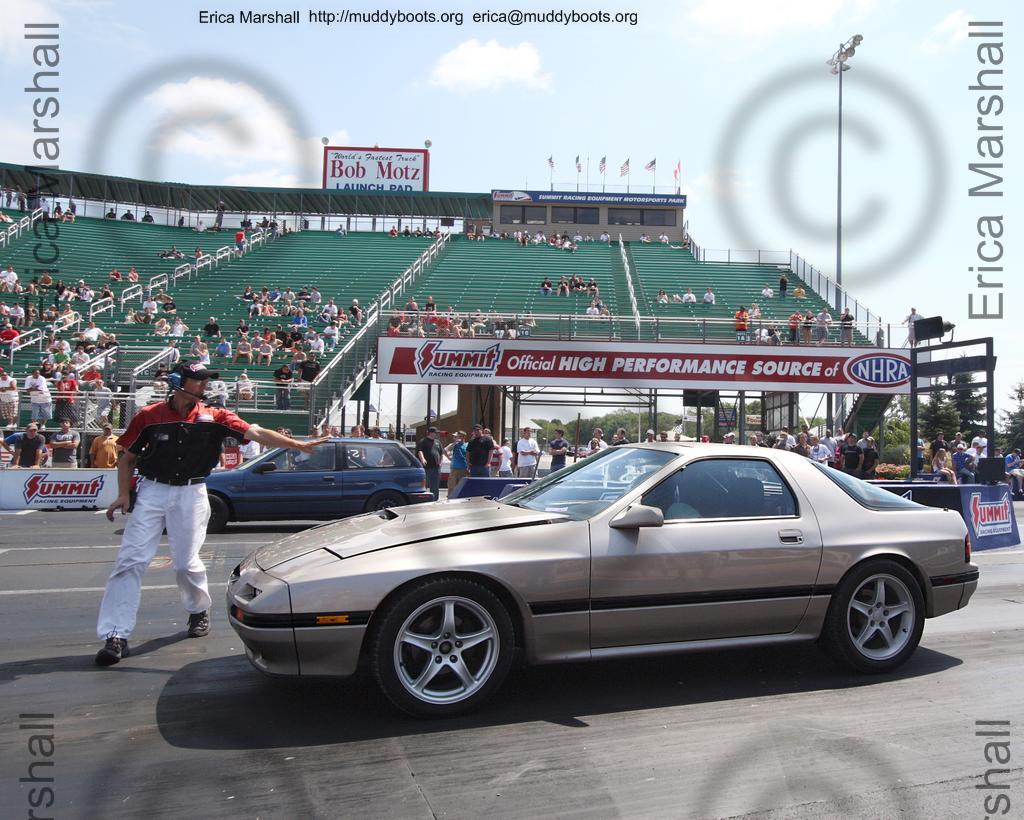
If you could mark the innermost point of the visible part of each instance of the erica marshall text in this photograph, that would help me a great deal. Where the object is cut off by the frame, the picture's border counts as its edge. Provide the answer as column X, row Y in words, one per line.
column 39, row 777
column 247, row 16
column 995, row 780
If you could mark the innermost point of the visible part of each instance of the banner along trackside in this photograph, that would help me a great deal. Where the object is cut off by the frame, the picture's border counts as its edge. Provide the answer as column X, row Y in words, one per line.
column 632, row 364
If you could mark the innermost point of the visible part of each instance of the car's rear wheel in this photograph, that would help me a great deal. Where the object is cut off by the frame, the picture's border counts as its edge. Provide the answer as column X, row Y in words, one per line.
column 876, row 617
column 383, row 500
column 442, row 647
column 218, row 515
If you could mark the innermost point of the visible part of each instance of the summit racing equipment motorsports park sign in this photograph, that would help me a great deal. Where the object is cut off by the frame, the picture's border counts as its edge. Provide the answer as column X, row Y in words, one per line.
column 376, row 169
column 636, row 364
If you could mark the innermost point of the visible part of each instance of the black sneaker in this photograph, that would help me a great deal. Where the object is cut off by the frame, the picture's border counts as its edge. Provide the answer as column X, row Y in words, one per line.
column 112, row 652
column 199, row 625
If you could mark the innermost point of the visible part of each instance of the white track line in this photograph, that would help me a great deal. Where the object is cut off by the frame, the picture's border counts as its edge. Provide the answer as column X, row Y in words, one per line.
column 7, row 592
column 116, row 546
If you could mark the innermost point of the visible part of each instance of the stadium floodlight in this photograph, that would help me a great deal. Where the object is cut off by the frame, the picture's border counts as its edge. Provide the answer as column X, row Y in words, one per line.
column 324, row 140
column 933, row 327
column 427, row 143
column 839, row 63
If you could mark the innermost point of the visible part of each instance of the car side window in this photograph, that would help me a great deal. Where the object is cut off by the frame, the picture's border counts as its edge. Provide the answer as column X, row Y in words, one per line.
column 723, row 488
column 368, row 456
column 295, row 461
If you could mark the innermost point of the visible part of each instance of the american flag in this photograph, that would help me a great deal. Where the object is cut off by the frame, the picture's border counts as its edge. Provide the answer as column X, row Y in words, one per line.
column 624, row 170
column 602, row 166
column 677, row 170
column 551, row 162
column 650, row 166
column 579, row 168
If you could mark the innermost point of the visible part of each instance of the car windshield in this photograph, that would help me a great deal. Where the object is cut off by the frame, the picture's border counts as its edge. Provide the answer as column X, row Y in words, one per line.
column 592, row 485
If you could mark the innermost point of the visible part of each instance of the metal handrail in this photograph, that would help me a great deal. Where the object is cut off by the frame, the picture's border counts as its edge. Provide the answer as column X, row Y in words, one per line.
column 31, row 336
column 101, row 306
column 131, row 292
column 629, row 284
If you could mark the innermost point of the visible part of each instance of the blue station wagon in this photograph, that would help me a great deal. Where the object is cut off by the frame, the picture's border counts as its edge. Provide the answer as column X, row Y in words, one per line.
column 342, row 477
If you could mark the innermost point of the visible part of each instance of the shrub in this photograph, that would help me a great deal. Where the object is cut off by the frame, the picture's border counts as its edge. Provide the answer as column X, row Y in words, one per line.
column 893, row 472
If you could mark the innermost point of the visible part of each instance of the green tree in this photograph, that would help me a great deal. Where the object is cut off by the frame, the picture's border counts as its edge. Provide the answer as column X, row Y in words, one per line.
column 970, row 404
column 1013, row 421
column 939, row 414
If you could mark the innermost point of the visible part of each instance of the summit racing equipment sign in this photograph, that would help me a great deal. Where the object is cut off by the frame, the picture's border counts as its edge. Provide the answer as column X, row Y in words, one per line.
column 52, row 489
column 992, row 517
column 635, row 364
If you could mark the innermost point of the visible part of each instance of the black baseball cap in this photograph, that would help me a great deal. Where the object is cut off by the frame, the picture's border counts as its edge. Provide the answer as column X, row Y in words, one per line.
column 431, row 429
column 195, row 370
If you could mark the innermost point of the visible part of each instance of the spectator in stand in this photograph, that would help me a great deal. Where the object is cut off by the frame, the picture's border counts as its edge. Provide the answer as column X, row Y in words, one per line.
column 909, row 322
column 806, row 328
column 742, row 318
column 941, row 469
column 243, row 351
column 939, row 443
column 240, row 241
column 963, row 463
column 356, row 312
column 709, row 297
column 38, row 389
column 689, row 298
column 111, row 214
column 846, row 327
column 456, row 453
column 284, row 379
column 767, row 292
column 265, row 352
column 662, row 297
column 823, row 321
column 211, row 328
column 66, row 406
column 1015, row 473
column 852, row 456
column 799, row 292
column 802, row 447
column 783, row 286
column 309, row 368
column 8, row 398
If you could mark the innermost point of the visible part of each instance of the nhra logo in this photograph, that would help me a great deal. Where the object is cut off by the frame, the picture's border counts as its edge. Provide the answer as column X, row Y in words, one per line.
column 878, row 370
column 991, row 517
column 433, row 358
column 39, row 486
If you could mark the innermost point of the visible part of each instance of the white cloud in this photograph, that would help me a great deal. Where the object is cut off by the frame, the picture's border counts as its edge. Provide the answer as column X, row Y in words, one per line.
column 474, row 66
column 16, row 13
column 946, row 34
column 759, row 20
column 232, row 125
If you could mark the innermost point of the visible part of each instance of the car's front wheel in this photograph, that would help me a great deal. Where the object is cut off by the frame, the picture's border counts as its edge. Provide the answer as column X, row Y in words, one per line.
column 442, row 647
column 876, row 617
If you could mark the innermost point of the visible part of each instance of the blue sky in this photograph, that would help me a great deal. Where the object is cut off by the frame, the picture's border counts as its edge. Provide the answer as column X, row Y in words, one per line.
column 248, row 105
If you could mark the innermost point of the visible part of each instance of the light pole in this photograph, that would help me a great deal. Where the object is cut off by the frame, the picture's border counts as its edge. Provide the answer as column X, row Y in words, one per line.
column 839, row 63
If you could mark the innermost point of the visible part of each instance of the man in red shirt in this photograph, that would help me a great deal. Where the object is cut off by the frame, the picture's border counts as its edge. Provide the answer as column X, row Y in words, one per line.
column 174, row 444
column 742, row 320
column 240, row 241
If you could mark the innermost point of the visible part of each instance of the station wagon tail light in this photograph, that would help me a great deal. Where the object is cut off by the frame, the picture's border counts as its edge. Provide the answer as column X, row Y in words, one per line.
column 967, row 548
column 423, row 484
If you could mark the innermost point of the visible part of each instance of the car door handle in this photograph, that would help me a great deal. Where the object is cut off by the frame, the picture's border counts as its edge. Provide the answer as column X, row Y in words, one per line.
column 791, row 536
column 328, row 478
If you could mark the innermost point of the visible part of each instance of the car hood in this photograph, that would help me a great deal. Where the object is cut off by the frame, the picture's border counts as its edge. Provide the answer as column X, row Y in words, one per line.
column 401, row 525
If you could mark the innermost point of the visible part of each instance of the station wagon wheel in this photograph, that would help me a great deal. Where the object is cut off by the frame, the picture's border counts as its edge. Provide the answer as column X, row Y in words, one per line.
column 384, row 500
column 876, row 617
column 442, row 647
column 218, row 515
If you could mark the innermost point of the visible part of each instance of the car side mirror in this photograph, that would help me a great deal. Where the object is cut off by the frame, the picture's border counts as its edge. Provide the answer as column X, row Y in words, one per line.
column 265, row 467
column 636, row 516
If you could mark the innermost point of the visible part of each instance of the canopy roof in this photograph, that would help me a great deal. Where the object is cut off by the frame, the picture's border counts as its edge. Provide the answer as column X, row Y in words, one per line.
column 182, row 196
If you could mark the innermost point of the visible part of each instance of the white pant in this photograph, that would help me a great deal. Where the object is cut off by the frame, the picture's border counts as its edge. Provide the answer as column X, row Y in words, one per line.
column 185, row 512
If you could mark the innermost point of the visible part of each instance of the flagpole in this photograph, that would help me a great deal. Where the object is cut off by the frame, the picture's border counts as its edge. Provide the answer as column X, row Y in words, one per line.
column 588, row 172
column 551, row 175
column 654, row 180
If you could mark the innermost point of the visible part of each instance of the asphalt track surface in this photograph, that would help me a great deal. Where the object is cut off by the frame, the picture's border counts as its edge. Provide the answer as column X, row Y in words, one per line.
column 186, row 728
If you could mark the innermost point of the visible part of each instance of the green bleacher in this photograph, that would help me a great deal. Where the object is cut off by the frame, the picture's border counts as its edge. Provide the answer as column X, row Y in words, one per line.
column 502, row 277
column 660, row 267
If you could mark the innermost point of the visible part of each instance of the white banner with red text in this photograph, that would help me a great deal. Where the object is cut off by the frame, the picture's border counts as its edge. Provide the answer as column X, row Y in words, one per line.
column 529, row 363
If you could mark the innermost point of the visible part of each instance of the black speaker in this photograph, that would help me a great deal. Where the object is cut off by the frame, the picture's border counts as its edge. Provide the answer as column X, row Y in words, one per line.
column 991, row 471
column 447, row 221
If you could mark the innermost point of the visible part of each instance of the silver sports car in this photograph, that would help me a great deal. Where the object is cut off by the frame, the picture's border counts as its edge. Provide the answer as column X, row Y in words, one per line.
column 637, row 550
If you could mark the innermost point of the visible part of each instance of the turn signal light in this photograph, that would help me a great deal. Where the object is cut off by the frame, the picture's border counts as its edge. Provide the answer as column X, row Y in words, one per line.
column 322, row 620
